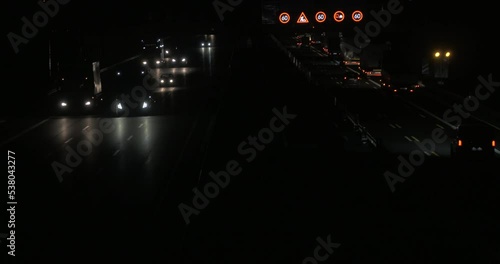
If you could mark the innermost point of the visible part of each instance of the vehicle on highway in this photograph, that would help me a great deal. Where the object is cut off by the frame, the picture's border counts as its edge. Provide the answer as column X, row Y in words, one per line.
column 402, row 85
column 77, row 101
column 127, row 102
column 474, row 140
column 351, row 79
column 167, row 79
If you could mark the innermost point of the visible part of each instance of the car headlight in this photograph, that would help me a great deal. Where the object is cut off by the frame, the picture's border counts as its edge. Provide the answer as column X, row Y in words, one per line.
column 162, row 81
column 87, row 103
column 171, row 80
column 64, row 104
column 119, row 106
column 144, row 105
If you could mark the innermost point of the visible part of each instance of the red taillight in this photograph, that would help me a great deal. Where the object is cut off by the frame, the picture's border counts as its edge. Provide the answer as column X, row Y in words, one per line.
column 493, row 143
column 460, row 143
column 411, row 91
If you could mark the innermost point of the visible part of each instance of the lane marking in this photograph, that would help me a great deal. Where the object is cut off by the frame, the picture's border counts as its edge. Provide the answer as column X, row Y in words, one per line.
column 141, row 125
column 422, row 116
column 129, row 138
column 414, row 138
column 24, row 132
column 440, row 126
column 67, row 141
column 398, row 126
column 85, row 128
column 427, row 153
column 431, row 114
column 435, row 154
column 391, row 125
column 116, row 152
column 409, row 139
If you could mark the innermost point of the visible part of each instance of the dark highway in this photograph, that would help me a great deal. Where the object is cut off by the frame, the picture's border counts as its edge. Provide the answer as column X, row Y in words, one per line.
column 209, row 140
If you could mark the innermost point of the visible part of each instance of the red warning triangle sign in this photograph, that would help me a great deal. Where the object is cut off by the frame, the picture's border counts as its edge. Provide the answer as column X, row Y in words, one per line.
column 302, row 19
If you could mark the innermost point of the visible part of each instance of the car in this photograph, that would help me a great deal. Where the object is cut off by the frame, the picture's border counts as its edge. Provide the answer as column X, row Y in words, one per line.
column 74, row 102
column 473, row 140
column 167, row 80
column 351, row 79
column 127, row 102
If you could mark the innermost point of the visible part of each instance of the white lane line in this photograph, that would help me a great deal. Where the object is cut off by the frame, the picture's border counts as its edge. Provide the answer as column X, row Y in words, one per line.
column 440, row 126
column 67, row 141
column 414, row 138
column 427, row 153
column 398, row 126
column 377, row 85
column 497, row 151
column 116, row 152
column 392, row 126
column 435, row 154
column 431, row 114
column 422, row 116
column 129, row 138
column 409, row 139
column 85, row 128
column 24, row 132
column 141, row 125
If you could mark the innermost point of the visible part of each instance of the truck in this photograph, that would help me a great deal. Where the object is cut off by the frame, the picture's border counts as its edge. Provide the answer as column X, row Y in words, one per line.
column 401, row 67
column 371, row 58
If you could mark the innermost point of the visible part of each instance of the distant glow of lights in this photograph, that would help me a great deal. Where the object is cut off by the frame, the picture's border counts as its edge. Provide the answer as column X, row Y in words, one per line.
column 448, row 54
column 284, row 18
column 437, row 54
column 357, row 16
column 339, row 16
column 144, row 105
column 145, row 63
column 167, row 51
column 63, row 104
column 119, row 106
column 118, row 73
column 87, row 103
column 158, row 62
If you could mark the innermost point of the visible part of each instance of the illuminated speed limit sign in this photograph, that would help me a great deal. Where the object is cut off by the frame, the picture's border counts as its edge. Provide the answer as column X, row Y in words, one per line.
column 321, row 17
column 284, row 18
column 357, row 16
